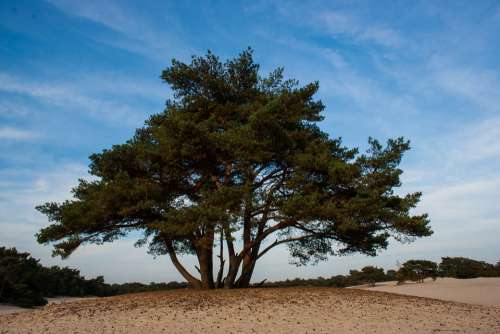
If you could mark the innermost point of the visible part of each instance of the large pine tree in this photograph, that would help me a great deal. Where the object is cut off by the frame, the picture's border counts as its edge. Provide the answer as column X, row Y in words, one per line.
column 236, row 160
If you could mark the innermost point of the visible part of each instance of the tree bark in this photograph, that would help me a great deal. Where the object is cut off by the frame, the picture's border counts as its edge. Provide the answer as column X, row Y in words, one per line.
column 218, row 283
column 206, row 268
column 193, row 281
column 204, row 251
column 248, row 267
column 234, row 265
column 233, row 262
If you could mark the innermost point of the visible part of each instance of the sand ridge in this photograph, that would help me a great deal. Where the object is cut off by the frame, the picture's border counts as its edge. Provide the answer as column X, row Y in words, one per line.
column 481, row 291
column 285, row 310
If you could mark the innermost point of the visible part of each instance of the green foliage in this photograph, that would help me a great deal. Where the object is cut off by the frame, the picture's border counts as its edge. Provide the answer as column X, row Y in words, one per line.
column 461, row 267
column 120, row 289
column 19, row 283
column 237, row 152
column 367, row 275
column 417, row 270
column 24, row 282
column 391, row 275
column 371, row 275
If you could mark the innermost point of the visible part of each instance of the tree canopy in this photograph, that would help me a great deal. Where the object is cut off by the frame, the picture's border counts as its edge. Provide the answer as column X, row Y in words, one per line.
column 461, row 267
column 417, row 270
column 368, row 274
column 234, row 160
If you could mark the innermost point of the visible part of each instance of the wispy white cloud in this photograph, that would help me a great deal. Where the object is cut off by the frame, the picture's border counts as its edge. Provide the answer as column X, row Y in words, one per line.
column 478, row 142
column 87, row 94
column 13, row 109
column 345, row 24
column 469, row 201
column 106, row 13
column 140, row 34
column 339, row 79
column 21, row 190
column 477, row 85
column 10, row 133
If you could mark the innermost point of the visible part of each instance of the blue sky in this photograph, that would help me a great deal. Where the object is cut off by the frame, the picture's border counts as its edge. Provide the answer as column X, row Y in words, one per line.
column 79, row 76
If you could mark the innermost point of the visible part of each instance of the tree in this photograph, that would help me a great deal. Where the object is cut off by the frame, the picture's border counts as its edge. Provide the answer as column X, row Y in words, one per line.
column 19, row 284
column 235, row 153
column 390, row 275
column 373, row 274
column 417, row 270
column 461, row 267
column 367, row 275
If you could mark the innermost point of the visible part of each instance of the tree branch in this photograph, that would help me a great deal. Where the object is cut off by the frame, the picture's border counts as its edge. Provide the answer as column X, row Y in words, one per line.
column 279, row 242
column 281, row 225
column 173, row 257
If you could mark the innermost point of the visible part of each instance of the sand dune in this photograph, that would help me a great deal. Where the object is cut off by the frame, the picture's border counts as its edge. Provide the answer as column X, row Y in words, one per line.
column 7, row 309
column 482, row 291
column 291, row 310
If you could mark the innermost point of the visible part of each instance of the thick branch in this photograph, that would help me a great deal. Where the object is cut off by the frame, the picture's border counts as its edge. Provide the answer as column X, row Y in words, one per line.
column 281, row 225
column 279, row 242
column 229, row 242
column 173, row 257
column 268, row 177
column 218, row 283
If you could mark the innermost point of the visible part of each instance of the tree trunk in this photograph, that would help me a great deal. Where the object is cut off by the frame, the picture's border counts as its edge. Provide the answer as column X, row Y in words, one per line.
column 206, row 268
column 248, row 268
column 249, row 262
column 204, row 251
column 246, row 276
column 233, row 262
column 218, row 283
column 234, row 266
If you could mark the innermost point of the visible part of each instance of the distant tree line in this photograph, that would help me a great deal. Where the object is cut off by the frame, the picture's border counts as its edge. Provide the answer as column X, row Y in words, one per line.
column 25, row 282
column 461, row 267
column 411, row 270
column 367, row 275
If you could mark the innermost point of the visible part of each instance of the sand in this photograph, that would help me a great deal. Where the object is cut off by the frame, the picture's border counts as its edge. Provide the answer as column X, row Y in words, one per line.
column 7, row 309
column 290, row 310
column 481, row 291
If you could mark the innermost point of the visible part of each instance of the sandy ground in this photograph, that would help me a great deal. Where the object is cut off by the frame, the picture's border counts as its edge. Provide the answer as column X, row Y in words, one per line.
column 290, row 310
column 7, row 309
column 482, row 291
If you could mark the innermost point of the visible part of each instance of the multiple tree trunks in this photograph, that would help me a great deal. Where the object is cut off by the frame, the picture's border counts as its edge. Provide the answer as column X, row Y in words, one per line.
column 242, row 264
column 238, row 152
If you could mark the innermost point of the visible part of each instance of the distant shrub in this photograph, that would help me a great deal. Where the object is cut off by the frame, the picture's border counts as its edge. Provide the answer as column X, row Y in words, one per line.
column 19, row 280
column 391, row 275
column 368, row 275
column 461, row 267
column 24, row 282
column 417, row 271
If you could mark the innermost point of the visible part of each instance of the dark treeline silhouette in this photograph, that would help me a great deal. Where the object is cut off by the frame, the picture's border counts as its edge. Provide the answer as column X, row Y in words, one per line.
column 411, row 270
column 25, row 282
column 461, row 267
column 367, row 275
